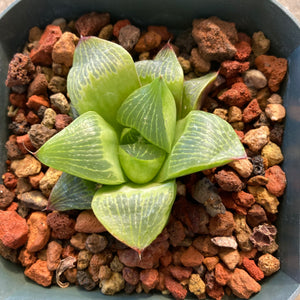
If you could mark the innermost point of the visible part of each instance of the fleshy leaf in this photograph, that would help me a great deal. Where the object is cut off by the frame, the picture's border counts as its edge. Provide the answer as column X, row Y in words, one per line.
column 151, row 111
column 87, row 148
column 164, row 64
column 135, row 214
column 203, row 141
column 141, row 162
column 71, row 192
column 130, row 136
column 102, row 76
column 194, row 91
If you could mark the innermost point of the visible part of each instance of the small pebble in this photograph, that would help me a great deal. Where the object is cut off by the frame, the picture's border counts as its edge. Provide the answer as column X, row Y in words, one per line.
column 260, row 44
column 255, row 79
column 85, row 280
column 49, row 180
column 272, row 153
column 129, row 36
column 83, row 259
column 275, row 112
column 268, row 264
column 106, row 32
column 112, row 285
column 96, row 243
column 49, row 118
column 34, row 199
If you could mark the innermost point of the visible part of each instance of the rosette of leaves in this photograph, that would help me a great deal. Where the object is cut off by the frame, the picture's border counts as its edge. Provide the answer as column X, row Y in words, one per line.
column 138, row 129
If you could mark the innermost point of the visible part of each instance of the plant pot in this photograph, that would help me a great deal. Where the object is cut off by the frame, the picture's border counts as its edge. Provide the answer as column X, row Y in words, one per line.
column 250, row 16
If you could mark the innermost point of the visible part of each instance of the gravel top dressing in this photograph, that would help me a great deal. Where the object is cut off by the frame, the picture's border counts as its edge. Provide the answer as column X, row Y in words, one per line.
column 220, row 237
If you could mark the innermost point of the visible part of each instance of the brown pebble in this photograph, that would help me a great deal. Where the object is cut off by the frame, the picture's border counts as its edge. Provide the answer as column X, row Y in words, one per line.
column 54, row 251
column 39, row 231
column 229, row 181
column 88, row 223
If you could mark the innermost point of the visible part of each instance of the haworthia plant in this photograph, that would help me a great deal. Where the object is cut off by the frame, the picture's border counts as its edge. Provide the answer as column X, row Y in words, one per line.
column 137, row 164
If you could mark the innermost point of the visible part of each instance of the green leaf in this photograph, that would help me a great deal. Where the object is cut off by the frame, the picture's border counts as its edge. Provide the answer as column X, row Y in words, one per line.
column 141, row 162
column 130, row 136
column 151, row 111
column 164, row 64
column 203, row 141
column 135, row 214
column 87, row 148
column 194, row 91
column 102, row 76
column 71, row 192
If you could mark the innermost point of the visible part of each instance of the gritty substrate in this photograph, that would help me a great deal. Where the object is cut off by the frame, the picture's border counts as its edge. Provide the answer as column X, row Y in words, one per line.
column 220, row 238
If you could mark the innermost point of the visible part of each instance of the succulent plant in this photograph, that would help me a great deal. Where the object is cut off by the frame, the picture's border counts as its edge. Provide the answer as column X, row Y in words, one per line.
column 139, row 128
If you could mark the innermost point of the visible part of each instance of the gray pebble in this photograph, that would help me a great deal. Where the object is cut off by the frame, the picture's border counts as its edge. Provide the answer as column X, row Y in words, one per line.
column 129, row 36
column 34, row 199
column 40, row 134
column 60, row 102
column 96, row 243
column 255, row 79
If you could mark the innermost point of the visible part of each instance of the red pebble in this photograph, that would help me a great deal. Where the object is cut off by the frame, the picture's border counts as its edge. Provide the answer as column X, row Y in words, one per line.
column 62, row 121
column 251, row 111
column 18, row 100
column 176, row 231
column 61, row 224
column 254, row 271
column 243, row 50
column 35, row 102
column 277, row 180
column 232, row 68
column 222, row 274
column 180, row 273
column 24, row 143
column 166, row 259
column 119, row 25
column 91, row 23
column 34, row 180
column 42, row 53
column 9, row 180
column 13, row 207
column 273, row 68
column 13, row 229
column 191, row 257
column 175, row 288
column 240, row 134
column 32, row 118
column 149, row 278
column 244, row 199
column 238, row 95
